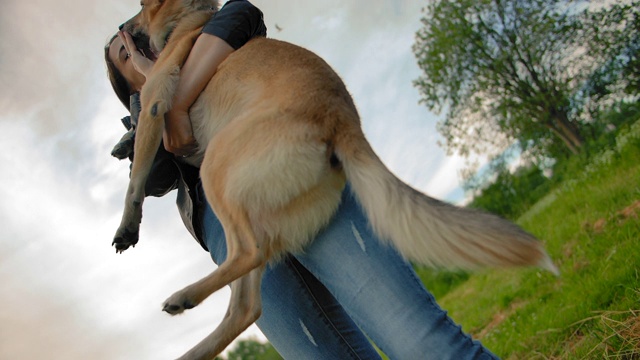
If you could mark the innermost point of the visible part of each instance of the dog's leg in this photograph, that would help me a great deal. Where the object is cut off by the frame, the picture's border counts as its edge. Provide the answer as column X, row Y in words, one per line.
column 155, row 97
column 246, row 250
column 149, row 135
column 244, row 309
column 245, row 253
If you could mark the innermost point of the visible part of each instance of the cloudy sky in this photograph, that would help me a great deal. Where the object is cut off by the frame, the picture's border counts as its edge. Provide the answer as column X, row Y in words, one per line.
column 65, row 294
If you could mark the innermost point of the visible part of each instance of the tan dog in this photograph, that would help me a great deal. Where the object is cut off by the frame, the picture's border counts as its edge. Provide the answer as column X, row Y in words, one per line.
column 279, row 137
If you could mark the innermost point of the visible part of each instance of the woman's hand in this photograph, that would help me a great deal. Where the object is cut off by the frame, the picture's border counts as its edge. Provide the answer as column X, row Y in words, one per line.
column 178, row 134
column 141, row 63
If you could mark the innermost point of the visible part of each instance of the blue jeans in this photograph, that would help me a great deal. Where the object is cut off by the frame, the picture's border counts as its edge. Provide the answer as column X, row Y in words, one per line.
column 321, row 303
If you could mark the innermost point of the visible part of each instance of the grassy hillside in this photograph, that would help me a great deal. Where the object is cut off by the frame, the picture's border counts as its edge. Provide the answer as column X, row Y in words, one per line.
column 590, row 225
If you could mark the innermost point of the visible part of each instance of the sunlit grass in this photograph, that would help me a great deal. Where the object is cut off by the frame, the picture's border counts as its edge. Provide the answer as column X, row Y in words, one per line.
column 591, row 229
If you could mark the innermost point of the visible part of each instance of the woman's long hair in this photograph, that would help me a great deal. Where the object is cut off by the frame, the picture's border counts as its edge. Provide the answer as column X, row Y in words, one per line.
column 120, row 85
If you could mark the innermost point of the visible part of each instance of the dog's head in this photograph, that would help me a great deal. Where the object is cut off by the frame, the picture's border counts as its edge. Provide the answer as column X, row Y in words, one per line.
column 153, row 25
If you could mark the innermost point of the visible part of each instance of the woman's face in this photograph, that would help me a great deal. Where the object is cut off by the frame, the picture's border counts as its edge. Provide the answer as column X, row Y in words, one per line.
column 122, row 61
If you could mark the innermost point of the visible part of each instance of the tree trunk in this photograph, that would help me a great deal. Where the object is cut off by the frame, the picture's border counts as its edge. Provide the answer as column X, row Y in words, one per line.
column 571, row 131
column 567, row 141
column 567, row 131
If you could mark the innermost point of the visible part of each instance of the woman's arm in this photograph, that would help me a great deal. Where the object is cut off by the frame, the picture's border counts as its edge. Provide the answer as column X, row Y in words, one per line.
column 228, row 30
column 205, row 56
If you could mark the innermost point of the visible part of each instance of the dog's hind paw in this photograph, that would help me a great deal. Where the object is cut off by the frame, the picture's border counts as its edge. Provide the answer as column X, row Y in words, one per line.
column 124, row 239
column 178, row 303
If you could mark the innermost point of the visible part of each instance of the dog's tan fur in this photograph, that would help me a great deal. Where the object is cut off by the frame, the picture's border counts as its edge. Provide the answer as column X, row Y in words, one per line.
column 279, row 137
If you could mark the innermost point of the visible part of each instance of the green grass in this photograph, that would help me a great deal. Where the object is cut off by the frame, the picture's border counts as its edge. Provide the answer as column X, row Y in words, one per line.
column 592, row 311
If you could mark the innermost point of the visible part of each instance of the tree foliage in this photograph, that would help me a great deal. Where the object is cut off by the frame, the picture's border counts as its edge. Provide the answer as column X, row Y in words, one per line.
column 521, row 71
column 619, row 45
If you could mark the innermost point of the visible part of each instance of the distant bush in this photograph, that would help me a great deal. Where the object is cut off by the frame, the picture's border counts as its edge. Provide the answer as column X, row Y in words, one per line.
column 511, row 194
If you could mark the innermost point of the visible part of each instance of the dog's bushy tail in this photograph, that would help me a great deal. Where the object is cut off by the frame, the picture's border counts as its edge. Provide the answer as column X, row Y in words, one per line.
column 428, row 231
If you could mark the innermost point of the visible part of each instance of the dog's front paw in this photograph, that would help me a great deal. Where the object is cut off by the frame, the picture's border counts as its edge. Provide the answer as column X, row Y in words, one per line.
column 125, row 238
column 179, row 302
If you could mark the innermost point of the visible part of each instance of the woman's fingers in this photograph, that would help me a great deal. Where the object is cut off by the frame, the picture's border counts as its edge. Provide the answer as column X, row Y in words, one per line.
column 141, row 63
column 128, row 42
column 123, row 37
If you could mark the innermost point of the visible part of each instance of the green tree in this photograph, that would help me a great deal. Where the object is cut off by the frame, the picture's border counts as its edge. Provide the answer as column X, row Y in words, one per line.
column 616, row 33
column 509, row 72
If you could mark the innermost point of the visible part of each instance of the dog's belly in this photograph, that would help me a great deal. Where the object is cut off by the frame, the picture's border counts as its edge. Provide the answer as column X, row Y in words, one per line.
column 290, row 228
column 278, row 170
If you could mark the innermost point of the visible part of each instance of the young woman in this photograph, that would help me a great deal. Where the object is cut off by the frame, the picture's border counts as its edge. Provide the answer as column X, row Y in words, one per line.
column 319, row 304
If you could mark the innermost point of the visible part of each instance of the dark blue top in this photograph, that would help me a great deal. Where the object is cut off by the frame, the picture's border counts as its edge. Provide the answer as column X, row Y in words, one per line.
column 236, row 23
